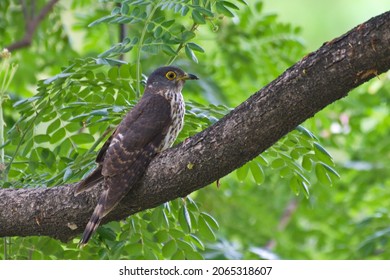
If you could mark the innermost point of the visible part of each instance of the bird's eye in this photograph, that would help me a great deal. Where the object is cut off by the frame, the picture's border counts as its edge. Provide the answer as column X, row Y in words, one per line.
column 170, row 75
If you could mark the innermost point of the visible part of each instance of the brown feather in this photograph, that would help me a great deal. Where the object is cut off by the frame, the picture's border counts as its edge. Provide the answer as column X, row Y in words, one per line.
column 95, row 219
column 125, row 156
column 94, row 178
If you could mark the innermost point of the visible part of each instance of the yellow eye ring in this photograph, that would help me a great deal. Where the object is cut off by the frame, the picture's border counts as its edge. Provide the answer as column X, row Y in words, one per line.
column 170, row 75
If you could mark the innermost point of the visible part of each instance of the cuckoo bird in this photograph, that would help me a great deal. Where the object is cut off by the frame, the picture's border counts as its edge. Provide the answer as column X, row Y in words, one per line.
column 150, row 127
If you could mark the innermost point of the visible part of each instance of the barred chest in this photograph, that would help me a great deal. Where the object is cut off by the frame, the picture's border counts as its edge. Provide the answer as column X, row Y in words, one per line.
column 177, row 115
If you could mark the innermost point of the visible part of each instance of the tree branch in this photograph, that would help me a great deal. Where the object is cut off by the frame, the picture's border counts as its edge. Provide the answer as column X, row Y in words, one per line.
column 31, row 25
column 316, row 81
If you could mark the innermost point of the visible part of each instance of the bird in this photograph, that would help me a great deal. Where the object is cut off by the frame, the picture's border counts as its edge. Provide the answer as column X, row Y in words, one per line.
column 149, row 128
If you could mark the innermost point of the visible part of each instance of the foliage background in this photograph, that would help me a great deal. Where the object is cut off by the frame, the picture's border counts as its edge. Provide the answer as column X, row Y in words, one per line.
column 286, row 204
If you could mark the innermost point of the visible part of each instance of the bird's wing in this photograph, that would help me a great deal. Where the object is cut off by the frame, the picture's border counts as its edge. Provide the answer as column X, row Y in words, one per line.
column 96, row 175
column 140, row 133
column 103, row 149
column 125, row 159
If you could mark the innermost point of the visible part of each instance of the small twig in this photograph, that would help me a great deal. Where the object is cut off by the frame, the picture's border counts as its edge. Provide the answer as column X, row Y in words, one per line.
column 24, row 10
column 172, row 59
column 121, row 34
column 284, row 220
column 140, row 45
column 31, row 26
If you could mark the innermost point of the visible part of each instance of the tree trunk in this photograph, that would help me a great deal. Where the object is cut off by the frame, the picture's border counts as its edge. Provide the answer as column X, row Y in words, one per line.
column 316, row 81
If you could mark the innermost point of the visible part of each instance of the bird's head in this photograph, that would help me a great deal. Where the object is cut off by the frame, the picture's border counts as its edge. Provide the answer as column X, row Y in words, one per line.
column 168, row 78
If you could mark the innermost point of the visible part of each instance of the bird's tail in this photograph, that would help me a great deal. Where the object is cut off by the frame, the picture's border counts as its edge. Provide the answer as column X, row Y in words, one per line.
column 116, row 188
column 92, row 179
column 95, row 219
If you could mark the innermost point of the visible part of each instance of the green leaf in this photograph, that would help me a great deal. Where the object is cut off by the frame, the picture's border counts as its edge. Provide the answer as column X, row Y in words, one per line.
column 321, row 152
column 322, row 175
column 179, row 255
column 185, row 246
column 262, row 160
column 230, row 5
column 162, row 236
column 184, row 10
column 184, row 219
column 187, row 35
column 243, row 2
column 157, row 217
column 41, row 138
column 197, row 17
column 210, row 220
column 124, row 71
column 150, row 26
column 193, row 255
column 205, row 229
column 204, row 11
column 134, row 249
column 305, row 132
column 101, row 112
column 113, row 73
column 125, row 8
column 195, row 240
column 168, row 23
column 46, row 156
column 67, row 174
column 305, row 188
column 242, row 172
column 169, row 248
column 285, row 172
column 73, row 127
column 59, row 135
column 195, row 47
column 46, row 116
column 257, row 172
column 168, row 50
column 331, row 171
column 82, row 138
column 223, row 10
column 89, row 75
column 176, row 233
column 190, row 54
column 158, row 32
column 307, row 163
column 295, row 185
column 278, row 163
column 100, row 20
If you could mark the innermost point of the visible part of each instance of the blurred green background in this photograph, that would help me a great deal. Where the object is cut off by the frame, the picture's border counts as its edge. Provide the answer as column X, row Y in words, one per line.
column 286, row 204
column 322, row 21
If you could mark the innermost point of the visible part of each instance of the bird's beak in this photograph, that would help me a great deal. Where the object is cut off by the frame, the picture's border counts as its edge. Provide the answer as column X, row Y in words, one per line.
column 188, row 77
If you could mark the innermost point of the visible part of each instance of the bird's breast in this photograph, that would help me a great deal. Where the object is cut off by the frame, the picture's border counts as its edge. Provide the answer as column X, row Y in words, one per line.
column 177, row 114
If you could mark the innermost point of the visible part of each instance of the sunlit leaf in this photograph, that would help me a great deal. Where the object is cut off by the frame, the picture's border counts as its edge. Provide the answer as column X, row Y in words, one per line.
column 169, row 248
column 242, row 172
column 205, row 229
column 184, row 219
column 322, row 175
column 82, row 138
column 198, row 18
column 221, row 8
column 190, row 54
column 195, row 47
column 257, row 172
column 162, row 236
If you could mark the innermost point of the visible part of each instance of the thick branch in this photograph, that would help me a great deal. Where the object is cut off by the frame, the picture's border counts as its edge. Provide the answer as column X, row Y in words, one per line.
column 316, row 81
column 31, row 26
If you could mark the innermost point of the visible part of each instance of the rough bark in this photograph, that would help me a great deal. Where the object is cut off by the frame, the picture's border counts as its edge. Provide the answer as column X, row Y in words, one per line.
column 316, row 81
